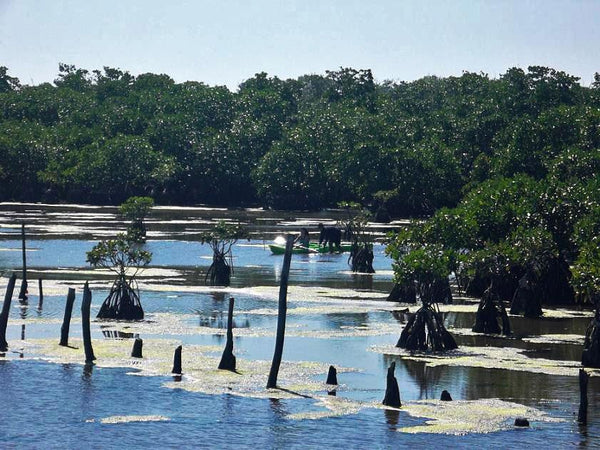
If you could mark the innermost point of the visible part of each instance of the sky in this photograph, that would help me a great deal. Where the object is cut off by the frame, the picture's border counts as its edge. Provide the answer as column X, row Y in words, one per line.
column 224, row 42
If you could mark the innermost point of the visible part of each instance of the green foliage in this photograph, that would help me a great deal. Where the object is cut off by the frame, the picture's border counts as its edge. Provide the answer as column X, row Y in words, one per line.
column 136, row 208
column 119, row 255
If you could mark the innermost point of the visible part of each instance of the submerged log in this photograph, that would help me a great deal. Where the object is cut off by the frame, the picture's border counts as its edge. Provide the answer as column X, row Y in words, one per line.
column 177, row 361
column 228, row 358
column 64, row 329
column 424, row 328
column 282, row 312
column 392, row 393
column 122, row 303
column 6, row 311
column 85, row 323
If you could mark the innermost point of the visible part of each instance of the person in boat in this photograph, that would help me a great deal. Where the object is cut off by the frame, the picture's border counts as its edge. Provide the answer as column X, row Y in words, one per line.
column 330, row 236
column 303, row 239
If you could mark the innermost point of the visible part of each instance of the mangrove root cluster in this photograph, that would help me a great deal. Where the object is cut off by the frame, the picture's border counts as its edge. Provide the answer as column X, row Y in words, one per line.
column 425, row 330
column 490, row 310
column 122, row 303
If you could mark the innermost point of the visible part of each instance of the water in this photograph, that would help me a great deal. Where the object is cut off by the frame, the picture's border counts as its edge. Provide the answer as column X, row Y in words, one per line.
column 334, row 317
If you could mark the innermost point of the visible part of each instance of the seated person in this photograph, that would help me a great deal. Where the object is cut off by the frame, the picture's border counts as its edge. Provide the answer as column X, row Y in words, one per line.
column 303, row 240
column 330, row 236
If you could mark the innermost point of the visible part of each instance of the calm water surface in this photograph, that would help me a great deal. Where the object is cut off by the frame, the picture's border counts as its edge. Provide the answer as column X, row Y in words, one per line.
column 46, row 405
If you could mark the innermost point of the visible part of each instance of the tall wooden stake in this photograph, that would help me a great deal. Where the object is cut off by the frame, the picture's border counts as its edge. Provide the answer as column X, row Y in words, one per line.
column 583, row 400
column 85, row 323
column 41, row 297
column 6, row 311
column 23, row 291
column 228, row 358
column 285, row 272
column 64, row 329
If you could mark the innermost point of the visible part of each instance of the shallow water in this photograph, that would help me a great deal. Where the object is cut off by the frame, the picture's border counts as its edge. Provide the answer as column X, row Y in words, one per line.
column 334, row 317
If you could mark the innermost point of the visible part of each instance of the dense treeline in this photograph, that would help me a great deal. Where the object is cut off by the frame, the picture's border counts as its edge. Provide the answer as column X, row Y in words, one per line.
column 311, row 142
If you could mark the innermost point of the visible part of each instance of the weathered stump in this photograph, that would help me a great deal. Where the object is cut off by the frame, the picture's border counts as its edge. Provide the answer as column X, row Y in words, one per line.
column 6, row 312
column 583, row 400
column 392, row 393
column 521, row 422
column 228, row 358
column 281, row 315
column 136, row 351
column 332, row 376
column 177, row 361
column 23, row 292
column 64, row 329
column 85, row 323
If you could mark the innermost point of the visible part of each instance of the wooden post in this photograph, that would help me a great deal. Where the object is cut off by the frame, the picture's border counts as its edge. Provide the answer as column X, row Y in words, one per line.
column 23, row 292
column 392, row 393
column 136, row 351
column 85, row 323
column 6, row 312
column 41, row 299
column 332, row 376
column 177, row 361
column 228, row 358
column 583, row 400
column 64, row 329
column 285, row 272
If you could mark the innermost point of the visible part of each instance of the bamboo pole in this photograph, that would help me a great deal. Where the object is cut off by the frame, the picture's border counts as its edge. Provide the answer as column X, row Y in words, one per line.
column 6, row 311
column 64, row 329
column 282, row 311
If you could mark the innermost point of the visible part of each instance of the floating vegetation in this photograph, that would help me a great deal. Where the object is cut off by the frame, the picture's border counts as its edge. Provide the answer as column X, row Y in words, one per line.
column 506, row 358
column 475, row 416
column 129, row 419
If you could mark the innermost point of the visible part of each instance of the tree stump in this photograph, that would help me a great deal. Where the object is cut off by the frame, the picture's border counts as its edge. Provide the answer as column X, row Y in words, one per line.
column 64, row 329
column 85, row 323
column 228, row 358
column 446, row 397
column 177, row 361
column 392, row 393
column 136, row 351
column 332, row 376
column 583, row 400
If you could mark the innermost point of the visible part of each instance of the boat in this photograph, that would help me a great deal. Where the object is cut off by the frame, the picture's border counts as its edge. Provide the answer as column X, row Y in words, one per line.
column 278, row 249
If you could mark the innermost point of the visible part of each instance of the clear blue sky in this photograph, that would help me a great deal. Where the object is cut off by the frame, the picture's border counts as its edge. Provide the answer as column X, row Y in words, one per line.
column 223, row 42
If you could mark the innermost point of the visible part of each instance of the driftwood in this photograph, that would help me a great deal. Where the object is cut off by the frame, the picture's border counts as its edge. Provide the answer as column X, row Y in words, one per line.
column 85, row 323
column 64, row 329
column 392, row 393
column 228, row 358
column 282, row 311
column 6, row 312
